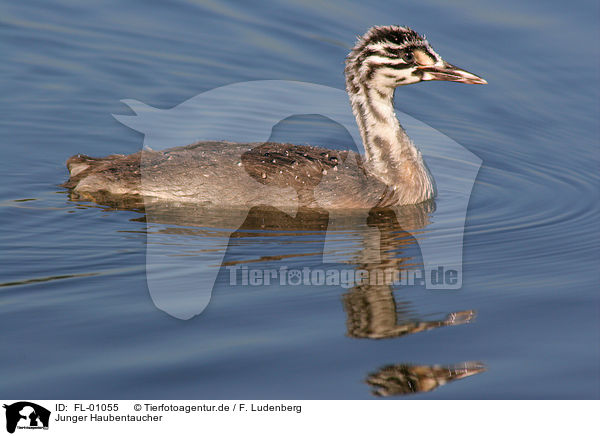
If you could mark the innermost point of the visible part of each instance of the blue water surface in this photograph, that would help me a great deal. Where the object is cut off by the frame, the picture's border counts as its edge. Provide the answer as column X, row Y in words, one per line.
column 76, row 316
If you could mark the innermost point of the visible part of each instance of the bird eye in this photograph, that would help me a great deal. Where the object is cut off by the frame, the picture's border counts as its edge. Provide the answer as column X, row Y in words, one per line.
column 408, row 57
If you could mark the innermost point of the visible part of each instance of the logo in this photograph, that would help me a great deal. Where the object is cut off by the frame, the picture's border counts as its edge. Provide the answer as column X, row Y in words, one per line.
column 210, row 116
column 26, row 415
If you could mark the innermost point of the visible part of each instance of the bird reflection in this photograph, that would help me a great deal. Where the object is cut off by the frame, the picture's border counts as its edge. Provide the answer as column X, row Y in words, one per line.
column 371, row 308
column 405, row 379
column 372, row 311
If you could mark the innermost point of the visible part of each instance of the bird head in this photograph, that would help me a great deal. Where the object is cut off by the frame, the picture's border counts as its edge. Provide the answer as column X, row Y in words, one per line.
column 390, row 56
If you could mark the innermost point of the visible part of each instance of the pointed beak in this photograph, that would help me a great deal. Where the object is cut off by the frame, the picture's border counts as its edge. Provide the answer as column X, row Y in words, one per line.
column 450, row 73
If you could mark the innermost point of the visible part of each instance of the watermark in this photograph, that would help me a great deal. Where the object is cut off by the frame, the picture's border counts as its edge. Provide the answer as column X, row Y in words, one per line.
column 181, row 283
column 25, row 415
column 346, row 278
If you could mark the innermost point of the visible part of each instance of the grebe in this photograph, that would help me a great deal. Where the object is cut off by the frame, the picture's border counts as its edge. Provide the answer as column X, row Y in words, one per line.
column 392, row 172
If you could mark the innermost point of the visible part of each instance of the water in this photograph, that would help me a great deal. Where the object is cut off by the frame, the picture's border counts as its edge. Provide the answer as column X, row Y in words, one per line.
column 77, row 317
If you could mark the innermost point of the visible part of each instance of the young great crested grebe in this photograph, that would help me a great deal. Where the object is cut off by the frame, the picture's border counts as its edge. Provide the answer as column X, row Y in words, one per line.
column 392, row 172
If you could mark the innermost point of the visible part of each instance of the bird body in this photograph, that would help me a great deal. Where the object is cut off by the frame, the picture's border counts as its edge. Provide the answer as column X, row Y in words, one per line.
column 276, row 174
column 392, row 172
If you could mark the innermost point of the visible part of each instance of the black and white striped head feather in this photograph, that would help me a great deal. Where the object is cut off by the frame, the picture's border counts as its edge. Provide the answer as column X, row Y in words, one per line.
column 390, row 56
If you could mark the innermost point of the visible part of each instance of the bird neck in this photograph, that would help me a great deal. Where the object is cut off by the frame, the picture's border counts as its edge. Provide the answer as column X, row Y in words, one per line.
column 391, row 155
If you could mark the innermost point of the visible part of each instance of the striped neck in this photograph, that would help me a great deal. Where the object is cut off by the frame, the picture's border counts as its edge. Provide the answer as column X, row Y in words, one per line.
column 392, row 156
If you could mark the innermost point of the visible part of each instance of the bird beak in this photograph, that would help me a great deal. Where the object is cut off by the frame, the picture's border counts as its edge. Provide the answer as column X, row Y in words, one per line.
column 450, row 73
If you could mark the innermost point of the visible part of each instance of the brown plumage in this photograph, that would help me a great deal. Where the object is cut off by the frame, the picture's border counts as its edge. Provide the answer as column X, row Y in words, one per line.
column 265, row 173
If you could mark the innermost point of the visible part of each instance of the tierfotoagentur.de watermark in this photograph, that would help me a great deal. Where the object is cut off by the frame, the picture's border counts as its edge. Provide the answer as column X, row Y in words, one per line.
column 345, row 278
